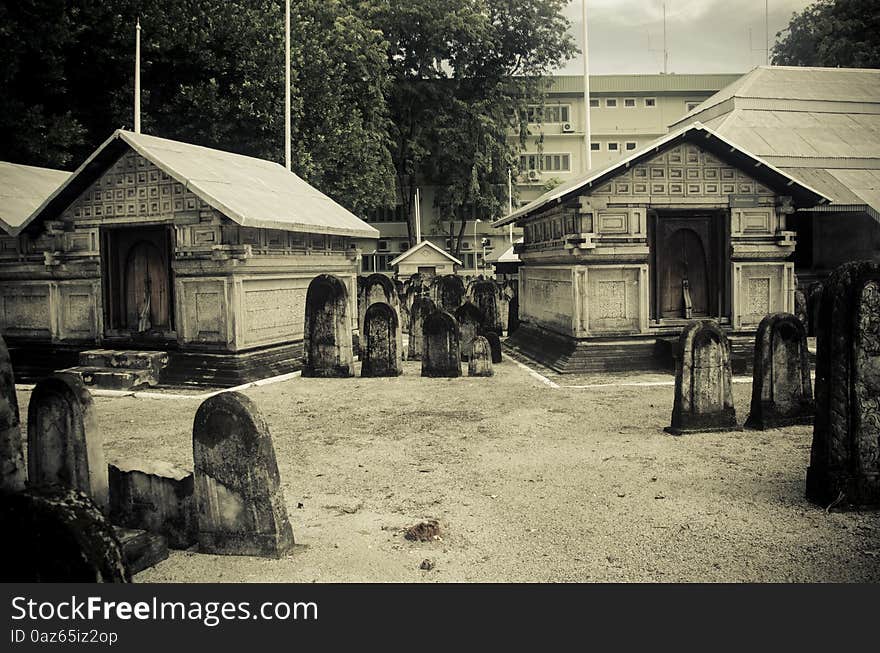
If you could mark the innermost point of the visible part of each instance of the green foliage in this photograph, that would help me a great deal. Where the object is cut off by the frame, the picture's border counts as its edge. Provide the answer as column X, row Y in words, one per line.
column 212, row 74
column 832, row 33
column 463, row 72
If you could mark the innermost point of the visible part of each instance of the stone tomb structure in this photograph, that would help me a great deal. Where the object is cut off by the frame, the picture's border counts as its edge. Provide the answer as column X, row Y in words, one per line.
column 441, row 356
column 327, row 333
column 13, row 472
column 449, row 292
column 703, row 381
column 782, row 393
column 845, row 457
column 494, row 345
column 480, row 361
column 689, row 227
column 158, row 245
column 381, row 356
column 422, row 307
column 64, row 443
column 239, row 501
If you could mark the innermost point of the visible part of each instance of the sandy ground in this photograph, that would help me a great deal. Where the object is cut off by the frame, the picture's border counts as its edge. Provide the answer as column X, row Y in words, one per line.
column 529, row 483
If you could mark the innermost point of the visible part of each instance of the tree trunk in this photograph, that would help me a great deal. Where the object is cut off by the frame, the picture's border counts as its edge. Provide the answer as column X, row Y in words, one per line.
column 460, row 236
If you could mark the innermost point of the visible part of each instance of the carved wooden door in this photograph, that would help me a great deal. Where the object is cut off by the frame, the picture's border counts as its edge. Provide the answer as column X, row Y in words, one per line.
column 684, row 249
column 146, row 288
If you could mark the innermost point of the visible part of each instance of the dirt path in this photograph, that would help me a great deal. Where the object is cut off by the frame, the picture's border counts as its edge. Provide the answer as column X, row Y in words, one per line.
column 528, row 482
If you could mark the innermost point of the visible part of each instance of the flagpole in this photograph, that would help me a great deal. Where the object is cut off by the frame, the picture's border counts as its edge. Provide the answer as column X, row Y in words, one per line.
column 418, row 216
column 588, row 156
column 287, row 127
column 137, row 78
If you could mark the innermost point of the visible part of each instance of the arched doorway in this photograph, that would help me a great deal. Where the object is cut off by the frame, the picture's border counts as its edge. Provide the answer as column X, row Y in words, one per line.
column 688, row 267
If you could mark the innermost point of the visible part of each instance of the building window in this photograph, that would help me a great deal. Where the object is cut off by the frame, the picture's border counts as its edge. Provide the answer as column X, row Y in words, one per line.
column 404, row 245
column 594, row 146
column 630, row 145
column 382, row 246
column 613, row 147
column 548, row 114
column 465, row 244
column 611, row 103
column 554, row 162
column 629, row 103
column 691, row 105
column 594, row 102
column 650, row 102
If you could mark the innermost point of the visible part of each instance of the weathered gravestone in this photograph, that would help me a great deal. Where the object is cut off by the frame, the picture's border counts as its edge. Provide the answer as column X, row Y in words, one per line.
column 64, row 443
column 154, row 496
column 239, row 502
column 845, row 457
column 480, row 362
column 441, row 354
column 327, row 347
column 57, row 534
column 448, row 292
column 485, row 297
column 376, row 288
column 512, row 314
column 703, row 381
column 781, row 391
column 422, row 307
column 469, row 320
column 13, row 472
column 814, row 299
column 381, row 347
column 494, row 346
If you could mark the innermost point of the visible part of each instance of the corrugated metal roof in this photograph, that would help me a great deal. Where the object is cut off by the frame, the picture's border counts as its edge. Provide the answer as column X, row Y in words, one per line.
column 425, row 243
column 251, row 192
column 642, row 83
column 758, row 167
column 23, row 189
column 799, row 85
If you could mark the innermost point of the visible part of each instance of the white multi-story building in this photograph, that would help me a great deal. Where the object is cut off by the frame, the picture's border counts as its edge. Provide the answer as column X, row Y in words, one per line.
column 626, row 111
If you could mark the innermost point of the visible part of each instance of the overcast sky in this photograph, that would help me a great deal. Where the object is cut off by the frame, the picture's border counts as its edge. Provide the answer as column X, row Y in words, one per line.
column 702, row 36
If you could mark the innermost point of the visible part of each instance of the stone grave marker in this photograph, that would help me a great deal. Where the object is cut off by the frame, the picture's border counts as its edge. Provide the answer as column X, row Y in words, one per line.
column 485, row 296
column 782, row 394
column 239, row 502
column 64, row 443
column 154, row 496
column 381, row 348
column 327, row 346
column 703, row 381
column 441, row 356
column 494, row 346
column 845, row 457
column 421, row 308
column 470, row 318
column 57, row 534
column 13, row 472
column 480, row 362
column 449, row 292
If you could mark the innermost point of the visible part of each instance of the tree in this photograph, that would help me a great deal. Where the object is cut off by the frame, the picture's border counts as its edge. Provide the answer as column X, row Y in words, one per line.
column 832, row 33
column 463, row 74
column 212, row 74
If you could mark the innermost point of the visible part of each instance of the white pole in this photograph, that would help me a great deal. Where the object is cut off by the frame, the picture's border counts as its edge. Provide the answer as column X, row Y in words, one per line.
column 510, row 203
column 588, row 156
column 418, row 216
column 287, row 127
column 137, row 78
column 665, row 50
column 767, row 29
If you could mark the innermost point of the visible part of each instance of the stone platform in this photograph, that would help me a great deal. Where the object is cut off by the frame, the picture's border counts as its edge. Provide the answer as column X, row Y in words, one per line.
column 114, row 369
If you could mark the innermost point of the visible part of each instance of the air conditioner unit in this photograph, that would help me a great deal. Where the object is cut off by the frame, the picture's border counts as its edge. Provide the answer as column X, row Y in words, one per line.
column 567, row 127
column 534, row 175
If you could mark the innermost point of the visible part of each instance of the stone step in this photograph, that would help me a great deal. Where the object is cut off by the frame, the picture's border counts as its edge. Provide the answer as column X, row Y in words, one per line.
column 154, row 361
column 112, row 379
column 140, row 549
